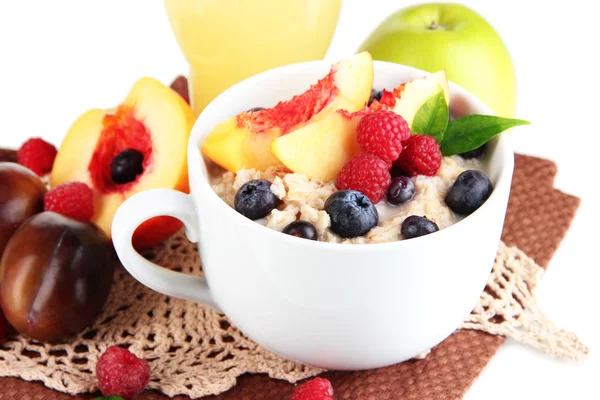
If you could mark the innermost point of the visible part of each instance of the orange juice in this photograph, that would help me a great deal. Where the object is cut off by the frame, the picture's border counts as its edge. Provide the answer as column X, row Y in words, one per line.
column 226, row 41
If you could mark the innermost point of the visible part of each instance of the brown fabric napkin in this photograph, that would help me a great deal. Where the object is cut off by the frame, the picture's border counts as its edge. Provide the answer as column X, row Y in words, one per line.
column 538, row 218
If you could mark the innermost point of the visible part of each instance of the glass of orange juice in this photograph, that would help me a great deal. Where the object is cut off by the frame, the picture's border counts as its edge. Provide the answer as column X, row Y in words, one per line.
column 226, row 41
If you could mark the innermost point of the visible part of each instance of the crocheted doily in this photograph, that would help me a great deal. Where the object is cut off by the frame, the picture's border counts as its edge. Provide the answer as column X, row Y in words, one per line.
column 195, row 351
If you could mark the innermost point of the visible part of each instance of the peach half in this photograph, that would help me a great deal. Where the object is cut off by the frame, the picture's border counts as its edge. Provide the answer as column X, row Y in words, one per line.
column 244, row 141
column 152, row 120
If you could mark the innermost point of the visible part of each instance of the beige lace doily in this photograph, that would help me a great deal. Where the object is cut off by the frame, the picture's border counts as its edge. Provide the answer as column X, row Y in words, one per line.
column 508, row 307
column 195, row 351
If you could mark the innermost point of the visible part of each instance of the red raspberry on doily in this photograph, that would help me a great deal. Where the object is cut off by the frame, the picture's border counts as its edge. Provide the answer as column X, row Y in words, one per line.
column 120, row 373
column 315, row 389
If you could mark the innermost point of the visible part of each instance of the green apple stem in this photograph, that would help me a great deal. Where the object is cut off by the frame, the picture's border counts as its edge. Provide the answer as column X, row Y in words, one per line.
column 434, row 26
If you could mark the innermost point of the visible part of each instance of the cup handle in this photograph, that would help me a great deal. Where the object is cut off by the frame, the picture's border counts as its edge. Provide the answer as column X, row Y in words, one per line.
column 131, row 214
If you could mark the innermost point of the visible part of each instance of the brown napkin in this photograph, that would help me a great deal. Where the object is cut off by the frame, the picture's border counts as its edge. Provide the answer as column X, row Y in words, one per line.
column 538, row 218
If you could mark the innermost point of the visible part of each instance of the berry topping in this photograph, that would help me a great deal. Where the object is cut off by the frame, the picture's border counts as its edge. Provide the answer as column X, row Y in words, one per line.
column 121, row 373
column 126, row 166
column 256, row 109
column 255, row 199
column 415, row 226
column 74, row 200
column 37, row 155
column 402, row 190
column 421, row 156
column 476, row 153
column 315, row 389
column 301, row 229
column 352, row 213
column 375, row 95
column 470, row 190
column 382, row 133
column 367, row 174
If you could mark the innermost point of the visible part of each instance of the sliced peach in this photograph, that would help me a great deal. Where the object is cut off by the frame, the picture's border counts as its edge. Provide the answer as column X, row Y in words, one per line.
column 234, row 148
column 244, row 141
column 153, row 120
column 321, row 148
column 410, row 96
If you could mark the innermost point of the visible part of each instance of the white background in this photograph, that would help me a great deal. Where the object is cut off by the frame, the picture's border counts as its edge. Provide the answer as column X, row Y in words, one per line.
column 59, row 58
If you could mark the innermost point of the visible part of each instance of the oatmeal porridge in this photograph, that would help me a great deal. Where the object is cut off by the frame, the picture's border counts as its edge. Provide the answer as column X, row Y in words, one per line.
column 304, row 199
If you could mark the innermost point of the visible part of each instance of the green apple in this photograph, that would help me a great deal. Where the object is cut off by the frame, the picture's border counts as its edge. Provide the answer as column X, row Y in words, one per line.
column 451, row 37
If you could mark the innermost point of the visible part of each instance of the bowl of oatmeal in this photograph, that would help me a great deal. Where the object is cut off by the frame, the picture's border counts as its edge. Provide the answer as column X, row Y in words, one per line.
column 359, row 295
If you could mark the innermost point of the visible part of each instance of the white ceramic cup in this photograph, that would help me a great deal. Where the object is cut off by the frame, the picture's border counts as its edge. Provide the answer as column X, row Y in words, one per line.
column 334, row 306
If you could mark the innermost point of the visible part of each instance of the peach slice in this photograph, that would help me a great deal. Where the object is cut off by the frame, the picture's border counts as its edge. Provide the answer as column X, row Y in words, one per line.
column 154, row 120
column 321, row 148
column 410, row 96
column 244, row 141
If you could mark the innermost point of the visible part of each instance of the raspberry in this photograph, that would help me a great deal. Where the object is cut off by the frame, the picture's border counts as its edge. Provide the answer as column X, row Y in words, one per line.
column 37, row 155
column 381, row 133
column 121, row 373
column 315, row 389
column 421, row 156
column 74, row 200
column 367, row 174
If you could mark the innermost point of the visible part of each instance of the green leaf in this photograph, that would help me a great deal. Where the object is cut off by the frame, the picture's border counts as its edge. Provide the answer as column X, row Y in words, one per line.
column 470, row 132
column 432, row 117
column 109, row 398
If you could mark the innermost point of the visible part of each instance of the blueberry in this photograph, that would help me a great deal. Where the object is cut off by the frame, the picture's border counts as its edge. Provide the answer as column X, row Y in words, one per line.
column 126, row 166
column 375, row 95
column 470, row 190
column 352, row 213
column 415, row 226
column 255, row 199
column 476, row 153
column 301, row 229
column 401, row 190
column 256, row 109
